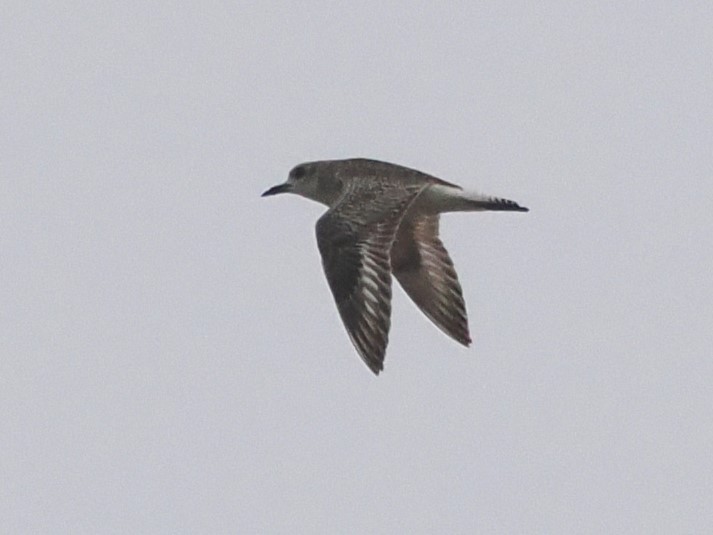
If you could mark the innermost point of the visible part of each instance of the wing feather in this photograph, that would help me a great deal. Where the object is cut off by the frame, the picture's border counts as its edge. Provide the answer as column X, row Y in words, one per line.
column 425, row 271
column 355, row 238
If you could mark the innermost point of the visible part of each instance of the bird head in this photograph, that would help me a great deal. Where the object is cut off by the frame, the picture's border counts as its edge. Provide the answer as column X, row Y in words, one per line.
column 313, row 180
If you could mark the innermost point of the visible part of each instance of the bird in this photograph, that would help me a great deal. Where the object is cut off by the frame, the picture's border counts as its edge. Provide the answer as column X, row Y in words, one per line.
column 383, row 220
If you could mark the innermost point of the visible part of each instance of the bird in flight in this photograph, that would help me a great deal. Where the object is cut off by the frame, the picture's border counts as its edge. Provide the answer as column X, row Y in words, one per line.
column 383, row 220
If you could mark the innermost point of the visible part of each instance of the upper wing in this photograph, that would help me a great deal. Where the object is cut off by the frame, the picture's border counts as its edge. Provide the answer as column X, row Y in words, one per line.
column 424, row 269
column 354, row 239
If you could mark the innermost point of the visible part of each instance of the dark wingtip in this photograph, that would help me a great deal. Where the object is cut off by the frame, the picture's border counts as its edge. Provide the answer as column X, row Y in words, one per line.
column 463, row 340
column 376, row 367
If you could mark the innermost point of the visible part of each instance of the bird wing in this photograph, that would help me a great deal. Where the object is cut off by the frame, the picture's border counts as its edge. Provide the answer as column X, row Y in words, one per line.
column 354, row 238
column 425, row 271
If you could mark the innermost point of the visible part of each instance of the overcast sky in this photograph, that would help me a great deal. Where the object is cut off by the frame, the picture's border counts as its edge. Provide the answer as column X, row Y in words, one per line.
column 172, row 359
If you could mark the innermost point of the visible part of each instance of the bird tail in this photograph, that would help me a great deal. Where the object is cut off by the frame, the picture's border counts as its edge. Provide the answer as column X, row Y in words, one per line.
column 476, row 201
column 447, row 198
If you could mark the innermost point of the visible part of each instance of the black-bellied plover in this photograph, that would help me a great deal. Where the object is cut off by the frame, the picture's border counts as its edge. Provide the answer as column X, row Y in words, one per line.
column 383, row 220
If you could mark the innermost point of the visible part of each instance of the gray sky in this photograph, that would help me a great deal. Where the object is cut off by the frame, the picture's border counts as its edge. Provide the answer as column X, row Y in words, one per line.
column 172, row 360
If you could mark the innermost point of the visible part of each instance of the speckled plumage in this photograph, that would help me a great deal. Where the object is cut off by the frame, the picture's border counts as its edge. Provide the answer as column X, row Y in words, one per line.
column 383, row 219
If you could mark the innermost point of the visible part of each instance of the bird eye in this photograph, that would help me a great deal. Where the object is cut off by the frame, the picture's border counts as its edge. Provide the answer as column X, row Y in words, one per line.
column 298, row 172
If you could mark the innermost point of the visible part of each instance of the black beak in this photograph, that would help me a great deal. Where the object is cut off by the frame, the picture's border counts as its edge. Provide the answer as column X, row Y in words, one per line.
column 274, row 190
